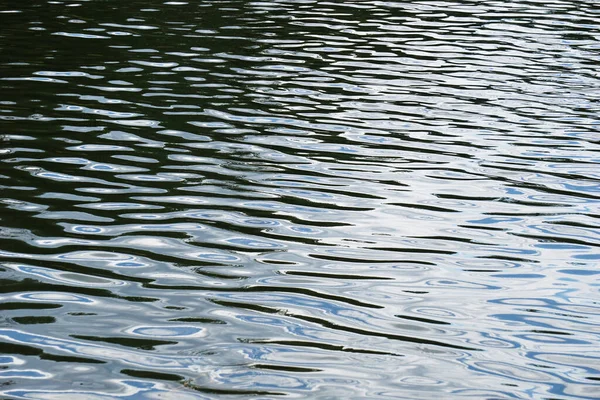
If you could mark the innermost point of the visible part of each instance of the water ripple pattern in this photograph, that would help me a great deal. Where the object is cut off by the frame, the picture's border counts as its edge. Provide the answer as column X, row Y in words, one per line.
column 300, row 199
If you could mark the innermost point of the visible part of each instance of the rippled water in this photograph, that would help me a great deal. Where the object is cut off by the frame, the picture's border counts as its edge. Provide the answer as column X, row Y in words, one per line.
column 300, row 199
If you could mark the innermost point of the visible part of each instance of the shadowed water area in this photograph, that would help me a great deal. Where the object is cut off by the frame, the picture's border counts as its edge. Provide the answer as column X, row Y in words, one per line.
column 300, row 199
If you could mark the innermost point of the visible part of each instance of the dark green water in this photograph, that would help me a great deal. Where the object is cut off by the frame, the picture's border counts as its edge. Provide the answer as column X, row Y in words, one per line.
column 300, row 199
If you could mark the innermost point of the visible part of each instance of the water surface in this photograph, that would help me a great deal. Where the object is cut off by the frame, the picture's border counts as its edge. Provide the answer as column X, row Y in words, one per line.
column 300, row 199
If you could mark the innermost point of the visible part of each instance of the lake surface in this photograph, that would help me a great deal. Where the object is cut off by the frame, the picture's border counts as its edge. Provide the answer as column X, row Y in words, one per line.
column 300, row 199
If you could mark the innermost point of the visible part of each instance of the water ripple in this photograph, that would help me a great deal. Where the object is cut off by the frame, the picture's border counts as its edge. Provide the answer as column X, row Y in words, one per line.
column 311, row 199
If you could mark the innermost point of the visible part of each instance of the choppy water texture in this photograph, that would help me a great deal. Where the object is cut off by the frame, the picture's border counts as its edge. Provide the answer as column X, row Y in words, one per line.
column 300, row 199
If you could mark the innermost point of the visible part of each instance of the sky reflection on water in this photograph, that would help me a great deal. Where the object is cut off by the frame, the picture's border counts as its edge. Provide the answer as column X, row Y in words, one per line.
column 300, row 199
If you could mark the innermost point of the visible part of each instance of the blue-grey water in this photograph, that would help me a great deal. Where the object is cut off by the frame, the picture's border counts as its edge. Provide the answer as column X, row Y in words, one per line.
column 300, row 199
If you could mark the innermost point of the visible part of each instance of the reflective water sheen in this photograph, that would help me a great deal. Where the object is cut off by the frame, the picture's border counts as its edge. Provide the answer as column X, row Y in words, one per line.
column 300, row 199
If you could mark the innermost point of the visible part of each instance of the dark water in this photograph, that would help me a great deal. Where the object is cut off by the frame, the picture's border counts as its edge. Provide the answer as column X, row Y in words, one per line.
column 300, row 199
